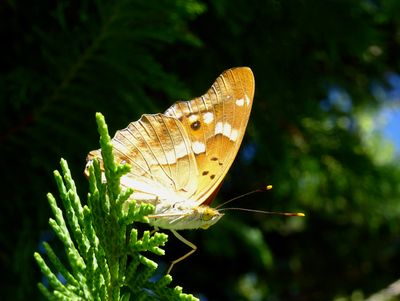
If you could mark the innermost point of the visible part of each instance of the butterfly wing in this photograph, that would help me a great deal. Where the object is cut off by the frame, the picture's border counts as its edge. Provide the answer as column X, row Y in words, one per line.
column 215, row 124
column 186, row 152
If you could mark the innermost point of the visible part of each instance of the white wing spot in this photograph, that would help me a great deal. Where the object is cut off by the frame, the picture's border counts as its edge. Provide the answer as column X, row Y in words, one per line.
column 193, row 118
column 180, row 150
column 234, row 134
column 247, row 99
column 198, row 147
column 223, row 128
column 218, row 128
column 208, row 117
column 227, row 129
column 240, row 102
column 171, row 156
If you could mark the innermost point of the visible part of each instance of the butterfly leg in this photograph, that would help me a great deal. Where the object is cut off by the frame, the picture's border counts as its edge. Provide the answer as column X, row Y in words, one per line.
column 186, row 242
column 154, row 230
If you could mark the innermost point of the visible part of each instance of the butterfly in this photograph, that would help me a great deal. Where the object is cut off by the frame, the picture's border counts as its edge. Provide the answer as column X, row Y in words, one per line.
column 180, row 158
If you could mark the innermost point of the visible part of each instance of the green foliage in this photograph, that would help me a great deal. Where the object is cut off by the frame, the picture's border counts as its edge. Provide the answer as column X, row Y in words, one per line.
column 105, row 254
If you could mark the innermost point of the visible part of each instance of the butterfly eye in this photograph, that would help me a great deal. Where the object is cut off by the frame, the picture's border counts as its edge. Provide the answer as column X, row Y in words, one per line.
column 195, row 125
column 207, row 216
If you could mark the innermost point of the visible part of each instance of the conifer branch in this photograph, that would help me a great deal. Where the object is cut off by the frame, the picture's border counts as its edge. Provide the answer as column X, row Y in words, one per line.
column 105, row 252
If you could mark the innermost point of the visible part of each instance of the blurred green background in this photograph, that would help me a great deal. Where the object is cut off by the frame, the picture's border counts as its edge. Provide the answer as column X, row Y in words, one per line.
column 326, row 88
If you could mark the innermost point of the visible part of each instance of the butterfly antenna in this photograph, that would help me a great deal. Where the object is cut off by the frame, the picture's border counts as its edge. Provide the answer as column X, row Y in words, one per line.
column 268, row 187
column 265, row 212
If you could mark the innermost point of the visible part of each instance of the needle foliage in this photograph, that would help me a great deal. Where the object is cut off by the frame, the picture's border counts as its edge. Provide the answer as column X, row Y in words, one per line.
column 105, row 253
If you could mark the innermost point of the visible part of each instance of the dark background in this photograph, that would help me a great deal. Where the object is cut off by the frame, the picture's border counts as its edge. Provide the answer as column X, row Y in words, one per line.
column 316, row 64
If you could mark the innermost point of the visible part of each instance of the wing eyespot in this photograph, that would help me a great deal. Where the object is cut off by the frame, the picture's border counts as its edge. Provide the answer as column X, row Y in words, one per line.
column 195, row 125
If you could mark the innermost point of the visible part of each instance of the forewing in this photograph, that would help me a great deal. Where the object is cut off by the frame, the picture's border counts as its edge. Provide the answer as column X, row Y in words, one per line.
column 215, row 124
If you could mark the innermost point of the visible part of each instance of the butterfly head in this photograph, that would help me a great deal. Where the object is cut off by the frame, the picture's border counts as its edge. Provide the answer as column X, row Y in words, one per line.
column 208, row 216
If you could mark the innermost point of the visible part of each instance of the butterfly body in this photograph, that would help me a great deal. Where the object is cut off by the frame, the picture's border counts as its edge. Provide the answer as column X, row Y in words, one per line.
column 179, row 159
column 184, row 215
